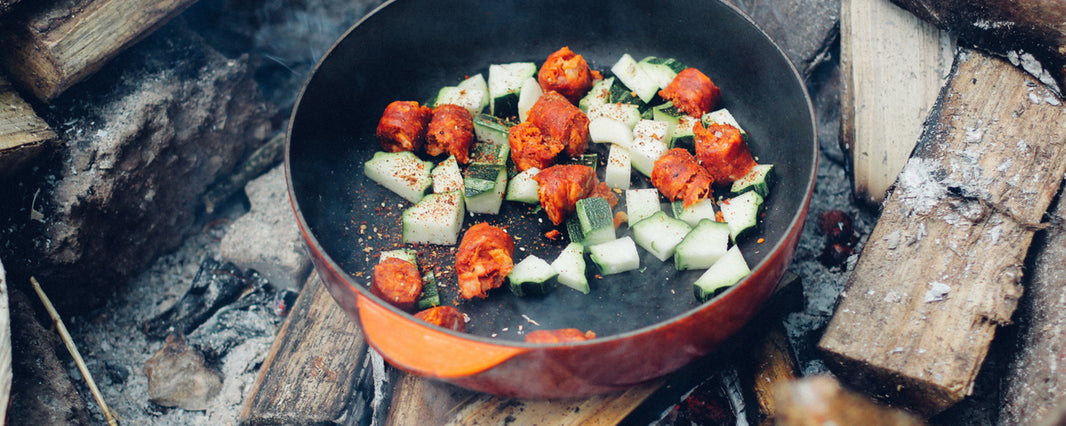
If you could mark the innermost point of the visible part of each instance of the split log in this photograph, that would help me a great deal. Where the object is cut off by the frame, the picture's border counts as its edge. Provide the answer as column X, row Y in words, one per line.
column 1029, row 33
column 53, row 46
column 893, row 66
column 820, row 400
column 5, row 345
column 941, row 269
column 312, row 371
column 420, row 401
column 22, row 133
column 1036, row 380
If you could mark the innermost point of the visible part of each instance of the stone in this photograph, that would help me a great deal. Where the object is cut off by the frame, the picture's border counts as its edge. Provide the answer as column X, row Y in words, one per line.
column 178, row 376
column 267, row 239
column 804, row 29
column 141, row 140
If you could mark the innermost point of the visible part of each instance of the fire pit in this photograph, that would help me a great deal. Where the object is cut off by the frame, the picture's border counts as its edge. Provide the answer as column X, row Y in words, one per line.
column 123, row 213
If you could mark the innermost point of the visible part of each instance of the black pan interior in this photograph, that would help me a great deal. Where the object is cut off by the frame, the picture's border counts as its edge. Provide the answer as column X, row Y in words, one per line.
column 409, row 49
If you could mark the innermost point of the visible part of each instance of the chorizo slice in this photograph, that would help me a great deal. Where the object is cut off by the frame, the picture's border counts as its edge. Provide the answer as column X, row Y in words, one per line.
column 561, row 186
column 559, row 336
column 450, row 130
column 678, row 175
column 398, row 282
column 721, row 150
column 692, row 92
column 403, row 126
column 529, row 147
column 443, row 316
column 484, row 259
column 559, row 119
column 567, row 73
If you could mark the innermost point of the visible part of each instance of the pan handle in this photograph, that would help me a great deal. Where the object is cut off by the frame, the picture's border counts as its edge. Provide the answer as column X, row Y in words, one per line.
column 425, row 350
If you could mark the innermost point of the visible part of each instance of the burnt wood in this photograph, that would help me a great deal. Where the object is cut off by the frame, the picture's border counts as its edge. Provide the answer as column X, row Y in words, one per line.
column 312, row 372
column 1035, row 382
column 941, row 270
column 1030, row 33
column 53, row 45
column 23, row 134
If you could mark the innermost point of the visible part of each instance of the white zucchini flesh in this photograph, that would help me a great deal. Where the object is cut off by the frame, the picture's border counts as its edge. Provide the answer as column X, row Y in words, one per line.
column 652, row 129
column 618, row 172
column 570, row 265
column 488, row 202
column 609, row 130
column 707, row 242
column 400, row 172
column 528, row 96
column 643, row 153
column 641, row 204
column 523, row 188
column 660, row 234
column 726, row 272
column 741, row 213
column 722, row 116
column 626, row 113
column 692, row 215
column 505, row 84
column 630, row 73
column 615, row 256
column 436, row 219
column 406, row 254
column 471, row 99
column 446, row 176
column 598, row 95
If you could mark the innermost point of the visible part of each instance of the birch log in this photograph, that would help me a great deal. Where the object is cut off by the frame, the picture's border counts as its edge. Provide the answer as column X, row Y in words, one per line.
column 941, row 269
column 893, row 67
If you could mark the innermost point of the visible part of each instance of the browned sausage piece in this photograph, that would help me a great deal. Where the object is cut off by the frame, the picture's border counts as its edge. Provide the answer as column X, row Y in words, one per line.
column 484, row 259
column 558, row 119
column 398, row 282
column 559, row 336
column 678, row 175
column 403, row 126
column 529, row 147
column 443, row 316
column 567, row 73
column 451, row 131
column 692, row 92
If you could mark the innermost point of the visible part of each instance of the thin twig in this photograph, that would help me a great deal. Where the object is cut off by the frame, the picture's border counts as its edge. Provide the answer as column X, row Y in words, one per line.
column 111, row 417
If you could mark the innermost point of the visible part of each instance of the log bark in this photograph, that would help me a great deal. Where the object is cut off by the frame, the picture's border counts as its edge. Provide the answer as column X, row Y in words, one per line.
column 5, row 345
column 1035, row 380
column 23, row 134
column 312, row 371
column 942, row 268
column 55, row 45
column 1031, row 33
column 893, row 66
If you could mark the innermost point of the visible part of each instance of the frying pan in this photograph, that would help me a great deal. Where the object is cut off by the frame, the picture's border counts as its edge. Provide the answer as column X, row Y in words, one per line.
column 647, row 321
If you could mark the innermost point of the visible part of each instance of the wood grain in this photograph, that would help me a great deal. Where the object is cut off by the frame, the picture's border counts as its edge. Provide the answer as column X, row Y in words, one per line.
column 1035, row 383
column 420, row 401
column 311, row 372
column 941, row 269
column 23, row 134
column 893, row 66
column 58, row 44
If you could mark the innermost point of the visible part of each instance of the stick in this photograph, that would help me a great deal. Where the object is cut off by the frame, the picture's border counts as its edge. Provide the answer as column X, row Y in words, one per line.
column 111, row 418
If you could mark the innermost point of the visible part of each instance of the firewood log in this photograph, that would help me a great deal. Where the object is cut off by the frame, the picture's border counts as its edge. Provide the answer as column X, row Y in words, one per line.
column 1029, row 33
column 892, row 68
column 942, row 268
column 821, row 400
column 54, row 45
column 23, row 134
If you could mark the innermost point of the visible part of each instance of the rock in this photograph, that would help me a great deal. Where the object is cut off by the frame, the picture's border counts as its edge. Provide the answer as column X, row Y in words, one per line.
column 266, row 238
column 42, row 393
column 178, row 376
column 140, row 142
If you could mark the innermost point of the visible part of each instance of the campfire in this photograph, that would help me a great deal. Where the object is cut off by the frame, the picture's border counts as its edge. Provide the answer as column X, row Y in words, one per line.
column 140, row 164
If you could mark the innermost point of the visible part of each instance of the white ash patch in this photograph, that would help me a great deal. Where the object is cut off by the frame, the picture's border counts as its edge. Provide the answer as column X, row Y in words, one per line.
column 1031, row 65
column 917, row 188
column 937, row 292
